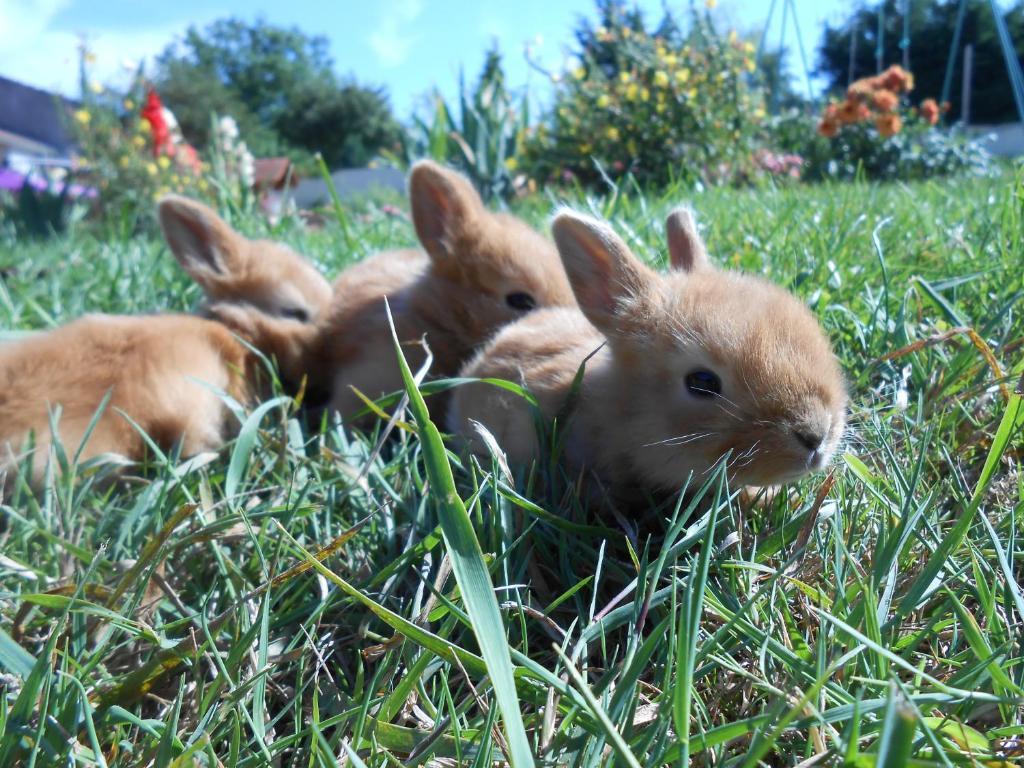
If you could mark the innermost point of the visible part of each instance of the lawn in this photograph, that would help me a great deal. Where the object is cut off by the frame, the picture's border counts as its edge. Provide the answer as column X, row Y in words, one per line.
column 162, row 620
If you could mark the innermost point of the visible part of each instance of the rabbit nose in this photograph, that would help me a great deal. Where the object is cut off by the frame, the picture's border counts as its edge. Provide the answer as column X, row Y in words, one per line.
column 808, row 439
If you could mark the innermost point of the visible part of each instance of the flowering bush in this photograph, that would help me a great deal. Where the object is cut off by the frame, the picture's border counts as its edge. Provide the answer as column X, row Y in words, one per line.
column 660, row 106
column 876, row 131
column 232, row 162
column 132, row 153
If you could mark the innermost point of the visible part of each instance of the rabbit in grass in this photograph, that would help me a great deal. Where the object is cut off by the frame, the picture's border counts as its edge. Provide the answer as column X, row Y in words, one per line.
column 160, row 370
column 477, row 271
column 684, row 369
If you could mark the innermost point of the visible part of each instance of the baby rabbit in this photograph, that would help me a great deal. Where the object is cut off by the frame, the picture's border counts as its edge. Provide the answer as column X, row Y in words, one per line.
column 480, row 271
column 155, row 367
column 683, row 368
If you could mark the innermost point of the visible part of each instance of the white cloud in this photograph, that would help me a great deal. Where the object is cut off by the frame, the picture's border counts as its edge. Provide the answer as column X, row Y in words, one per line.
column 393, row 38
column 34, row 51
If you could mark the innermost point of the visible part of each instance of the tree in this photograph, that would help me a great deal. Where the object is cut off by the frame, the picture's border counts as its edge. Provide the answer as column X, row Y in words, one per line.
column 280, row 86
column 932, row 25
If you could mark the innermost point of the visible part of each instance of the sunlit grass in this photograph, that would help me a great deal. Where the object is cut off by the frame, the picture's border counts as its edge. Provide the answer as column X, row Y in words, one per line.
column 859, row 619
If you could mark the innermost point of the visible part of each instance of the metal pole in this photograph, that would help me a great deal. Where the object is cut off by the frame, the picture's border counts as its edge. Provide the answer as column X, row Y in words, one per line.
column 853, row 53
column 905, row 42
column 880, row 49
column 965, row 94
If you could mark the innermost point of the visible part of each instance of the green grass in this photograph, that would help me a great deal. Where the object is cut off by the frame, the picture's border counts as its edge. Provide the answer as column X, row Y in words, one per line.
column 167, row 621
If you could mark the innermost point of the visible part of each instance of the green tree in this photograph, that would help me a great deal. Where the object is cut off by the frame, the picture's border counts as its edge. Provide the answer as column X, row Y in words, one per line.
column 932, row 25
column 280, row 86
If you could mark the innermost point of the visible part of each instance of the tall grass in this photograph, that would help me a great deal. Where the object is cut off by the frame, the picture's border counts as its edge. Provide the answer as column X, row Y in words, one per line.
column 302, row 598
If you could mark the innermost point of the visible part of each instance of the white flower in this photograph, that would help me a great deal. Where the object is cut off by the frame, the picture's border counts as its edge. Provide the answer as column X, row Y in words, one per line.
column 246, row 166
column 228, row 128
column 129, row 65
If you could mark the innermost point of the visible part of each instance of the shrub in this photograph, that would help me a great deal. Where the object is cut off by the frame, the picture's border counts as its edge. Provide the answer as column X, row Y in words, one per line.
column 874, row 130
column 129, row 153
column 481, row 138
column 662, row 106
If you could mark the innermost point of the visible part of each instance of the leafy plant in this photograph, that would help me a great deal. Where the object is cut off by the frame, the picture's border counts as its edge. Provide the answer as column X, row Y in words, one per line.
column 661, row 105
column 482, row 137
column 874, row 130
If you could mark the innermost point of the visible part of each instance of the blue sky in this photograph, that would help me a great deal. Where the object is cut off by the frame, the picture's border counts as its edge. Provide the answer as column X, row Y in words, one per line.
column 406, row 45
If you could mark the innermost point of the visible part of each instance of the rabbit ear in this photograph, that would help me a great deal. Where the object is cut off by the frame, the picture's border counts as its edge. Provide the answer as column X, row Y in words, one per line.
column 611, row 285
column 203, row 243
column 445, row 208
column 686, row 251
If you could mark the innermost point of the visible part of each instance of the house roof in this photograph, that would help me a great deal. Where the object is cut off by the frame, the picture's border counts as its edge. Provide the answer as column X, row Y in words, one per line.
column 34, row 114
column 272, row 173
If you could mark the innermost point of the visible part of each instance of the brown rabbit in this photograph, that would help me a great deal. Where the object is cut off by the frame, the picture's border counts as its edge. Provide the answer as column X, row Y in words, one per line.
column 685, row 368
column 159, row 369
column 480, row 271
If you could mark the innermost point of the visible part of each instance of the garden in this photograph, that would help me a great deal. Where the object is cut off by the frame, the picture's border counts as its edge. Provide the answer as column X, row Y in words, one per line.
column 319, row 594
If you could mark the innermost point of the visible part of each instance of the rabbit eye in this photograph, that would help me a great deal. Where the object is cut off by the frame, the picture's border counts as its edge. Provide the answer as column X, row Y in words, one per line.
column 703, row 383
column 295, row 313
column 524, row 302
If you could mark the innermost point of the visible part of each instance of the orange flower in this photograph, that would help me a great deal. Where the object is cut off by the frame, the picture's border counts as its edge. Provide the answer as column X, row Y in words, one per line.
column 897, row 79
column 888, row 125
column 851, row 111
column 828, row 127
column 885, row 100
column 861, row 90
column 930, row 111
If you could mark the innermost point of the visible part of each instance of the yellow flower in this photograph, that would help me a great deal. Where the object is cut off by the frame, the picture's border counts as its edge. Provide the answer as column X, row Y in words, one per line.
column 624, row 77
column 90, row 57
column 750, row 64
column 692, row 93
column 203, row 185
column 585, row 148
column 164, row 162
column 83, row 116
column 631, row 147
column 760, row 114
column 612, row 133
column 579, row 73
column 145, row 127
column 626, row 32
column 124, row 162
column 661, row 78
column 138, row 141
column 733, row 37
column 660, row 107
column 682, row 75
column 151, row 169
column 128, row 104
column 603, row 101
column 748, row 47
column 632, row 91
column 710, row 4
column 644, row 94
column 96, row 87
column 671, row 60
column 511, row 163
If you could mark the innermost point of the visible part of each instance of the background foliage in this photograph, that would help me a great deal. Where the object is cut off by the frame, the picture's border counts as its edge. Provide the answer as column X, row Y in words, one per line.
column 280, row 86
column 932, row 23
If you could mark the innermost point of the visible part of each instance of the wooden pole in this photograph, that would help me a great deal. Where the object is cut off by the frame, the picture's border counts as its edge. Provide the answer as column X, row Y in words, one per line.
column 965, row 94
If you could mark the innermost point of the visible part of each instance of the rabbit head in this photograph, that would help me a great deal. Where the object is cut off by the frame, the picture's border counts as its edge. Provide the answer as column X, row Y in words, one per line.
column 229, row 267
column 705, row 363
column 486, row 269
column 262, row 290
